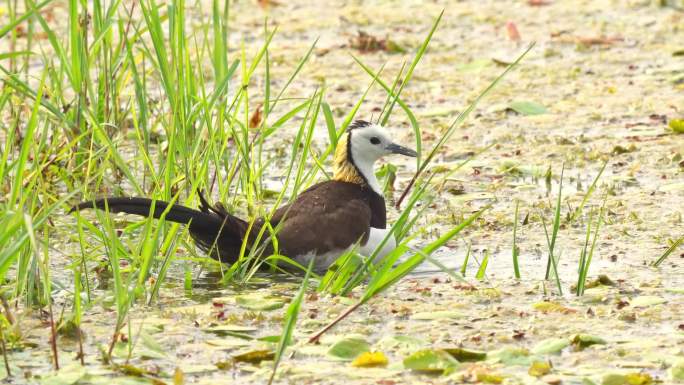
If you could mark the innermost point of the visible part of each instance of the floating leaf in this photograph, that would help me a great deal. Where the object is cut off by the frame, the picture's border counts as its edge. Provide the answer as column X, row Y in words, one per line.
column 67, row 375
column 151, row 348
column 551, row 346
column 431, row 360
column 434, row 315
column 255, row 356
column 677, row 186
column 465, row 355
column 405, row 343
column 676, row 371
column 370, row 360
column 226, row 343
column 259, row 302
column 647, row 300
column 349, row 348
column 582, row 341
column 539, row 368
column 510, row 356
column 489, row 378
column 528, row 108
column 229, row 328
column 677, row 125
column 552, row 307
column 627, row 379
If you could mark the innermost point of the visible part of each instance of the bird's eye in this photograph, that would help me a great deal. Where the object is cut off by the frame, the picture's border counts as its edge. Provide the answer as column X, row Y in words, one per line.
column 375, row 140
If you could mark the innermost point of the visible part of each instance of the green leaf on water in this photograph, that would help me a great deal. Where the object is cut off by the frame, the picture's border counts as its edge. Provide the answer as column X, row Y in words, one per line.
column 67, row 375
column 510, row 356
column 400, row 343
column 434, row 315
column 348, row 348
column 677, row 125
column 151, row 348
column 582, row 341
column 255, row 356
column 528, row 108
column 551, row 346
column 466, row 355
column 259, row 302
column 431, row 360
column 647, row 300
column 627, row 379
column 676, row 371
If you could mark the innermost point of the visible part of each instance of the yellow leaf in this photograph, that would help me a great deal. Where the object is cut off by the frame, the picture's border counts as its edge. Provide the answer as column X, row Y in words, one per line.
column 539, row 368
column 552, row 307
column 370, row 360
column 178, row 377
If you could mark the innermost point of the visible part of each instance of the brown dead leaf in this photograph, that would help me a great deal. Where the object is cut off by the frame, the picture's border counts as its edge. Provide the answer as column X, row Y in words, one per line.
column 567, row 37
column 255, row 119
column 512, row 31
column 600, row 40
column 267, row 3
column 367, row 43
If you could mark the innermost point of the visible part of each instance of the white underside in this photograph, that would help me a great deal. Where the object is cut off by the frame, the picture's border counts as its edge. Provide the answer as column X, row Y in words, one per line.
column 323, row 261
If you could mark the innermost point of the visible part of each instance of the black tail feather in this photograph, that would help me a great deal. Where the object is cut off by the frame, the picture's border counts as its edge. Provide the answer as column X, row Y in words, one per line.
column 142, row 206
column 220, row 234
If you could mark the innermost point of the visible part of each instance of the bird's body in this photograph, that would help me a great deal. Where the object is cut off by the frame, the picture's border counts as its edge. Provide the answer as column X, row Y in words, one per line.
column 322, row 222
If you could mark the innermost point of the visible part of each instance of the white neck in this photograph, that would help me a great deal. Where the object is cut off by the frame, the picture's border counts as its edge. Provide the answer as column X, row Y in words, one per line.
column 365, row 166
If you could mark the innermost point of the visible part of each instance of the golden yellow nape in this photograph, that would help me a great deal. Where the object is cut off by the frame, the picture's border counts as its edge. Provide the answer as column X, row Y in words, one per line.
column 343, row 169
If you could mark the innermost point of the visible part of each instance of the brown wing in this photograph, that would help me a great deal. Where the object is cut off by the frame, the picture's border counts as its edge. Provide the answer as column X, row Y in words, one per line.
column 329, row 216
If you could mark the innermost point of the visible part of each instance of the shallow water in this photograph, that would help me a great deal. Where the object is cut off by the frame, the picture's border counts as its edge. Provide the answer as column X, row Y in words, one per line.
column 598, row 97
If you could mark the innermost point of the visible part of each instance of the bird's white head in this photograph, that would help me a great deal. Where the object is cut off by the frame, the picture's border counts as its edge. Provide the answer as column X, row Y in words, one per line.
column 362, row 145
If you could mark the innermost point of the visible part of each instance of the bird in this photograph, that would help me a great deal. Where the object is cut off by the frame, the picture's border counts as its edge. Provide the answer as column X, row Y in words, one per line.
column 321, row 223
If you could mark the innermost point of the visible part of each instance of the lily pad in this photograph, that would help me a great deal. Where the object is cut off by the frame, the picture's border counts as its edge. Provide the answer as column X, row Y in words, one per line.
column 551, row 346
column 65, row 376
column 528, row 108
column 627, row 379
column 255, row 356
column 401, row 343
column 510, row 356
column 552, row 307
column 348, row 349
column 647, row 300
column 431, row 360
column 582, row 341
column 676, row 371
column 465, row 355
column 259, row 302
column 434, row 315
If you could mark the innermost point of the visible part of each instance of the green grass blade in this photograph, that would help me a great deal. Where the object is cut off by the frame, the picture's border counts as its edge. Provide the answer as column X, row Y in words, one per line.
column 290, row 322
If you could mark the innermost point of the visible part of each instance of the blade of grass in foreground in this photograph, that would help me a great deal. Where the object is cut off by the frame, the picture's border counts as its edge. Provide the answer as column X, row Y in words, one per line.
column 457, row 122
column 290, row 322
column 14, row 23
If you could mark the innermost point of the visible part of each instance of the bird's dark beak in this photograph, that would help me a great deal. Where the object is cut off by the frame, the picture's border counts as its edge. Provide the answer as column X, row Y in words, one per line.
column 397, row 149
